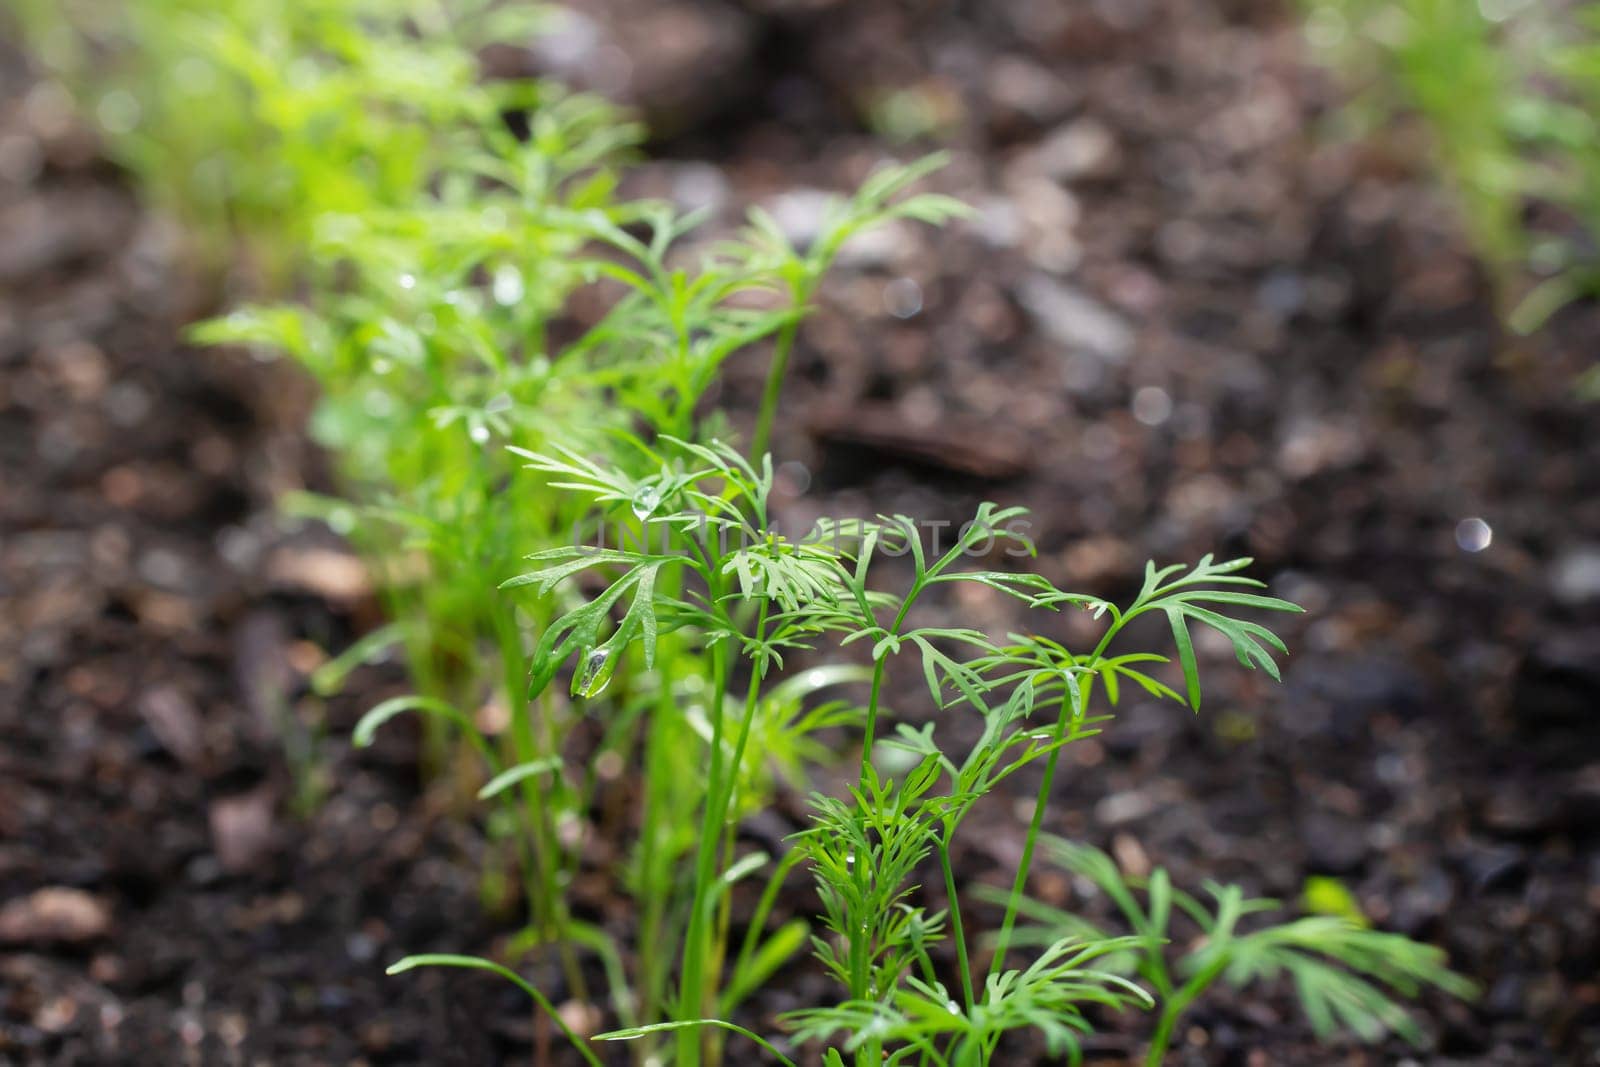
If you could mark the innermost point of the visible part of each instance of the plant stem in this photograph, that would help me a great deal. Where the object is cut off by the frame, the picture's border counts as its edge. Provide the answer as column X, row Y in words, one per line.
column 957, row 933
column 654, row 881
column 871, row 1054
column 548, row 902
column 878, row 669
column 1020, row 883
column 725, row 802
column 872, row 717
column 691, row 990
column 762, row 437
column 1174, row 1008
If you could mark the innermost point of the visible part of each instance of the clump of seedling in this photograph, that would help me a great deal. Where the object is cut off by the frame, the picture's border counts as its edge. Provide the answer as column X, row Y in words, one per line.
column 251, row 120
column 428, row 337
column 1345, row 975
column 439, row 225
column 1508, row 93
column 742, row 598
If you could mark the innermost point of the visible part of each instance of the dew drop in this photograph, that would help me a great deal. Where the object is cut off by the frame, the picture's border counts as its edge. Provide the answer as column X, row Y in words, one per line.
column 479, row 434
column 850, row 860
column 645, row 501
column 594, row 676
column 408, row 281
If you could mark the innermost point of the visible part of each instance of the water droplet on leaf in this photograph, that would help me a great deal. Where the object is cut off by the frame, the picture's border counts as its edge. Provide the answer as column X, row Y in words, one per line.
column 479, row 433
column 645, row 501
column 595, row 674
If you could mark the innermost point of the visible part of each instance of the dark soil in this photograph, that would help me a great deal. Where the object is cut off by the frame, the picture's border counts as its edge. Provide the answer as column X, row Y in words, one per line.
column 1185, row 320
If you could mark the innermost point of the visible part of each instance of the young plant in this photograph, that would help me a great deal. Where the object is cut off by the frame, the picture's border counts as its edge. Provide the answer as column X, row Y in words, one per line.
column 426, row 373
column 1508, row 94
column 1345, row 975
column 251, row 119
column 747, row 593
column 879, row 938
column 440, row 225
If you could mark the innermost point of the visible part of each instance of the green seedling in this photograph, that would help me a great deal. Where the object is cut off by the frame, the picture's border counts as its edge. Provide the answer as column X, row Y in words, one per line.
column 437, row 226
column 1346, row 976
column 745, row 598
column 1507, row 93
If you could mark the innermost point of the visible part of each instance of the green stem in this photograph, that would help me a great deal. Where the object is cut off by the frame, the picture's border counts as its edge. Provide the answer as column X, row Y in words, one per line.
column 1041, row 801
column 957, row 933
column 872, row 1053
column 776, row 371
column 1174, row 1008
column 664, row 738
column 691, row 990
column 869, row 733
column 872, row 717
column 724, row 804
column 547, row 903
column 654, row 881
column 1020, row 883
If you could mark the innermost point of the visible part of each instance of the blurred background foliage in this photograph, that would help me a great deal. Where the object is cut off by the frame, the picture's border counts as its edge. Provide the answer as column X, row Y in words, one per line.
column 1506, row 93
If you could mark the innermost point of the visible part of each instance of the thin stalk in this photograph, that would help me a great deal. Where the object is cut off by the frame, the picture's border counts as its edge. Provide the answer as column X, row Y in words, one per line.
column 758, row 921
column 872, row 716
column 1020, row 883
column 869, row 732
column 957, row 934
column 719, row 945
column 691, row 990
column 548, row 903
column 1174, row 1008
column 776, row 371
column 871, row 1054
column 1035, row 824
column 654, row 883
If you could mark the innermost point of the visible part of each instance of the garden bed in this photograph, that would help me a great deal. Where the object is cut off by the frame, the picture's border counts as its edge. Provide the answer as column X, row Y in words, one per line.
column 1182, row 322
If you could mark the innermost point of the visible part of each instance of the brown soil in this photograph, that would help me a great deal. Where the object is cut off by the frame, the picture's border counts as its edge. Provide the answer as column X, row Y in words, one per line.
column 1184, row 321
